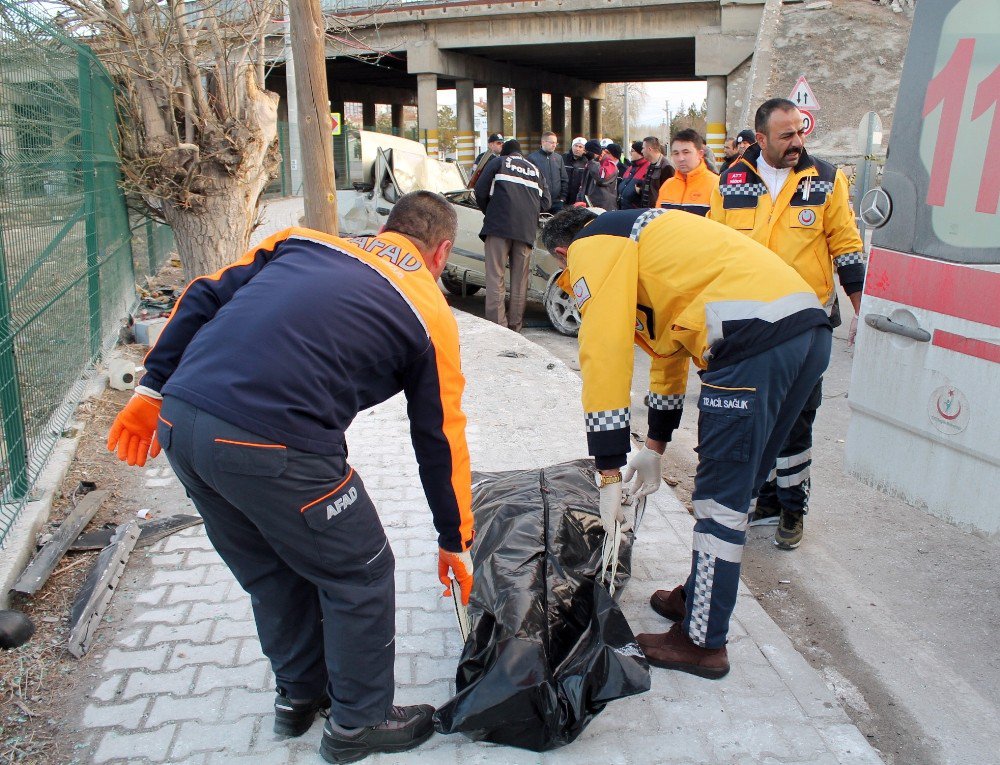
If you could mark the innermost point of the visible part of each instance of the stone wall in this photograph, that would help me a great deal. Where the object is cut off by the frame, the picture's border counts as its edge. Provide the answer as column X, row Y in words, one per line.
column 851, row 52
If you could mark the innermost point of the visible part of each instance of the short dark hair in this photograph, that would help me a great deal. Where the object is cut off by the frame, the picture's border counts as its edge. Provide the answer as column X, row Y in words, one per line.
column 425, row 216
column 549, row 133
column 564, row 226
column 653, row 143
column 689, row 135
column 510, row 146
column 764, row 111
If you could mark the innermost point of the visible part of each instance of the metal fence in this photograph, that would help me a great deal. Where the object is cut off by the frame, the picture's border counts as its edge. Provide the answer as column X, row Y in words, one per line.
column 67, row 275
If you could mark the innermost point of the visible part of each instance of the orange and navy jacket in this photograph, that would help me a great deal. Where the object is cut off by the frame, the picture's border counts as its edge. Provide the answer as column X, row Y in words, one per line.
column 681, row 287
column 810, row 224
column 305, row 331
column 691, row 192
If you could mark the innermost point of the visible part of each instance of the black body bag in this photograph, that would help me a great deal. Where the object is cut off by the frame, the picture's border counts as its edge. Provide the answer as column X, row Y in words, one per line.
column 549, row 646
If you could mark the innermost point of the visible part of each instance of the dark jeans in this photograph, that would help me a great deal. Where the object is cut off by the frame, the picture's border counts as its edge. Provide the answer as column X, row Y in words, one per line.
column 746, row 412
column 302, row 537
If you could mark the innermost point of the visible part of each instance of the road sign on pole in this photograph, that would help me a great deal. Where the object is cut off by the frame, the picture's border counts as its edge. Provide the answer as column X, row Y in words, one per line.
column 808, row 121
column 802, row 95
column 335, row 121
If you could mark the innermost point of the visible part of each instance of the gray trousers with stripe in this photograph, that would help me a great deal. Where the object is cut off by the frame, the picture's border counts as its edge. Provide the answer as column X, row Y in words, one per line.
column 302, row 537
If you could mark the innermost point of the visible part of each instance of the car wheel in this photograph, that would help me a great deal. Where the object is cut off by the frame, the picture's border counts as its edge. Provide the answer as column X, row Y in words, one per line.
column 561, row 309
column 454, row 285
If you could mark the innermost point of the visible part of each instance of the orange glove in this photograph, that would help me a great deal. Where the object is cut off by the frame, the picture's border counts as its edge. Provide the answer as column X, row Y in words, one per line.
column 460, row 565
column 134, row 430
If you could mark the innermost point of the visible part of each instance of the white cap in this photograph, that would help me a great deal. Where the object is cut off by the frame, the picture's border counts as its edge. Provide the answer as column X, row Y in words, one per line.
column 579, row 141
column 606, row 142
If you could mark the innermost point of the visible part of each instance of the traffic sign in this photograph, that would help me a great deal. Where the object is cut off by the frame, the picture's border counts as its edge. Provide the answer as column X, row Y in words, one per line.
column 802, row 95
column 808, row 121
column 335, row 119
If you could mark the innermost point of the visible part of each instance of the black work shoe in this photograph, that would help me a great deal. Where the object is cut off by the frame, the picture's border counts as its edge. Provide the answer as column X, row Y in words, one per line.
column 788, row 535
column 293, row 718
column 764, row 515
column 405, row 728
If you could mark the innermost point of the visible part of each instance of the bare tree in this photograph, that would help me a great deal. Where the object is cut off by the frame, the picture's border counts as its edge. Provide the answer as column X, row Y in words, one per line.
column 199, row 139
column 613, row 107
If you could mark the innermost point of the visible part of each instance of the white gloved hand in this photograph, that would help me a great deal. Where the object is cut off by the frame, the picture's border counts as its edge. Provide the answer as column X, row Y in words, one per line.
column 647, row 464
column 611, row 507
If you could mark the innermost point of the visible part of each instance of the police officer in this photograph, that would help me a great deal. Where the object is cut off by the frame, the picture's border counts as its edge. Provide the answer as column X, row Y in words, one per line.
column 797, row 206
column 682, row 287
column 511, row 192
column 250, row 390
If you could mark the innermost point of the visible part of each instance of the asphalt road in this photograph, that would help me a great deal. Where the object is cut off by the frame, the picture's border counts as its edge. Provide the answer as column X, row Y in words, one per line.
column 897, row 609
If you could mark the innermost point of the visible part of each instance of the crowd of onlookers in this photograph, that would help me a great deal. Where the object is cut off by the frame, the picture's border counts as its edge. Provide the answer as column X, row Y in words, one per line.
column 596, row 173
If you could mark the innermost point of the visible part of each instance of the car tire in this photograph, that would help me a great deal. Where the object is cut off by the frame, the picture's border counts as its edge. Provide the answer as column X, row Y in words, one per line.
column 561, row 309
column 454, row 286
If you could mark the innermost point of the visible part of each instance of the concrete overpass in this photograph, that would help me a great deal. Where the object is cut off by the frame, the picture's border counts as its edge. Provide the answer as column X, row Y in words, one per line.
column 402, row 54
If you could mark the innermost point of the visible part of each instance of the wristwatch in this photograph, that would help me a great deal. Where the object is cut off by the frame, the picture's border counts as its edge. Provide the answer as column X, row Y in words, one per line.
column 606, row 480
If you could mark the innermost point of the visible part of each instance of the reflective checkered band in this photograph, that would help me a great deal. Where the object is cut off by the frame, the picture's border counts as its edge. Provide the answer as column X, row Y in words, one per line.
column 742, row 189
column 644, row 220
column 814, row 185
column 609, row 419
column 849, row 259
column 704, row 577
column 667, row 403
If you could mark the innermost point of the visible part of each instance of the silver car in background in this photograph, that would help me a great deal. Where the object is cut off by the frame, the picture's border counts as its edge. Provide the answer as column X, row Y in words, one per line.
column 391, row 167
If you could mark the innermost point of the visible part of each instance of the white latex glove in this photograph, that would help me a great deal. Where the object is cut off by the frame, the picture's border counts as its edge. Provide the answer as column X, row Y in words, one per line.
column 647, row 465
column 852, row 333
column 611, row 507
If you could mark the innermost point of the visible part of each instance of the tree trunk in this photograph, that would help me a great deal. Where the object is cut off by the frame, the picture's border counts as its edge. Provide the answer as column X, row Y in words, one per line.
column 218, row 232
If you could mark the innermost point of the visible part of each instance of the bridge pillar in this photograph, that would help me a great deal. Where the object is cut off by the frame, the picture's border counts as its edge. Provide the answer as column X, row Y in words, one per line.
column 715, row 131
column 397, row 119
column 558, row 113
column 368, row 115
column 494, row 109
column 576, row 117
column 535, row 111
column 465, row 113
column 427, row 112
column 522, row 117
column 596, row 123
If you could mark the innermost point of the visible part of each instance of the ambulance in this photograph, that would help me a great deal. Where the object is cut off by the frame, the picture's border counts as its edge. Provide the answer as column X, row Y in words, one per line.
column 925, row 387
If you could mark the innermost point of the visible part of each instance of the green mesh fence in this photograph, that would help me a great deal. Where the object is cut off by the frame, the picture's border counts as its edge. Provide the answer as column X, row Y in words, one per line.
column 67, row 276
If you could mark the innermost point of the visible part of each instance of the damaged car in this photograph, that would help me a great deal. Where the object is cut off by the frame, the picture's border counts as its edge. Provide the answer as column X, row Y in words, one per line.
column 389, row 167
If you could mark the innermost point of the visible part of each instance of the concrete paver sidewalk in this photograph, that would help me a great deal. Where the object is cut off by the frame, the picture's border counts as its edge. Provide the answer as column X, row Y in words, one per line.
column 183, row 679
column 186, row 682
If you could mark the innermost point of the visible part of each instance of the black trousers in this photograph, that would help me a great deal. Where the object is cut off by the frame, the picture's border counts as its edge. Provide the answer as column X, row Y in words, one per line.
column 789, row 483
column 302, row 537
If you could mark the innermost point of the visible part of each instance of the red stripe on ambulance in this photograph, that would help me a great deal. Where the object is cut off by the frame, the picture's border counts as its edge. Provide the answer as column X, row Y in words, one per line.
column 946, row 288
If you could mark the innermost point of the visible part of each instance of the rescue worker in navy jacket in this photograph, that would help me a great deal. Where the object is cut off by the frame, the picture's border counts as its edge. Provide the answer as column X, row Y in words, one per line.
column 797, row 206
column 684, row 288
column 511, row 192
column 250, row 390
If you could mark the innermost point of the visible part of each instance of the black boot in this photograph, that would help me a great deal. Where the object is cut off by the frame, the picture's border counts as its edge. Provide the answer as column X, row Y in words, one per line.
column 293, row 718
column 405, row 728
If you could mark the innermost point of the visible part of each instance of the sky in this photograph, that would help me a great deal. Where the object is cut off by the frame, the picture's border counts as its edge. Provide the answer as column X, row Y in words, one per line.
column 654, row 108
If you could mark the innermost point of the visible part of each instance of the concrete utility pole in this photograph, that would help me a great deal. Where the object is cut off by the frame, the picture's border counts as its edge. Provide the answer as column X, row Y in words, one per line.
column 308, row 33
column 625, row 137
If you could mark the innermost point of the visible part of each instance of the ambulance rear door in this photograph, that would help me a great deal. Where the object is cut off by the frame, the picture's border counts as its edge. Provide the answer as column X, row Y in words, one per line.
column 925, row 387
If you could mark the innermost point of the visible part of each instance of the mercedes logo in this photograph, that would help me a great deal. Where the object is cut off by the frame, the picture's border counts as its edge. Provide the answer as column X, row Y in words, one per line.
column 876, row 207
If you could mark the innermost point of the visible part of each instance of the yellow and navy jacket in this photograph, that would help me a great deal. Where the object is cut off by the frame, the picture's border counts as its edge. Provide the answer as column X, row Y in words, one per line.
column 691, row 192
column 680, row 287
column 305, row 331
column 810, row 224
